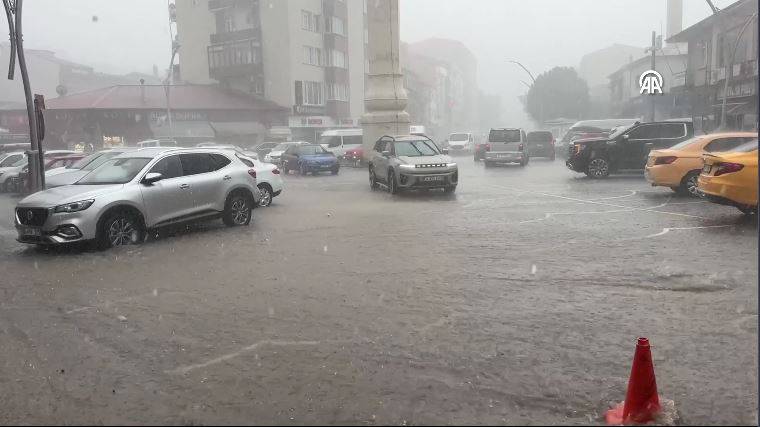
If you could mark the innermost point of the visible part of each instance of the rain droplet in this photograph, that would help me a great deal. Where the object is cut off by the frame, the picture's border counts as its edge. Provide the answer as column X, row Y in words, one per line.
column 121, row 318
column 271, row 312
column 533, row 269
column 325, row 248
column 155, row 292
column 36, row 265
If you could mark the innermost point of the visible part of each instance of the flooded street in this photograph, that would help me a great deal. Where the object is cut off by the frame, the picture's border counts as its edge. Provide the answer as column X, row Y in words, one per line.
column 518, row 300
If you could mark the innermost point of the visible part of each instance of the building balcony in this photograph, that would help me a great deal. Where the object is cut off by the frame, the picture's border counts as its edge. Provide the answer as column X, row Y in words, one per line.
column 225, row 4
column 234, row 59
column 309, row 110
column 336, row 75
column 233, row 36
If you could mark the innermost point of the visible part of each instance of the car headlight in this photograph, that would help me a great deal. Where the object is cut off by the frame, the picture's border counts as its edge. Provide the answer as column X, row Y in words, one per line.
column 407, row 167
column 451, row 165
column 74, row 206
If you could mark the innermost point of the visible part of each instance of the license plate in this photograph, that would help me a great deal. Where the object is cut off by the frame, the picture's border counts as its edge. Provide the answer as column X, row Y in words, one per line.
column 432, row 178
column 325, row 166
column 706, row 169
column 29, row 231
column 503, row 156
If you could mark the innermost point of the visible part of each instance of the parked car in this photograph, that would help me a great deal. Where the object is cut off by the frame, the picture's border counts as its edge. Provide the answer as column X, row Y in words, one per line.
column 73, row 173
column 340, row 141
column 411, row 162
column 275, row 155
column 118, row 202
column 309, row 158
column 626, row 149
column 587, row 129
column 8, row 159
column 9, row 175
column 731, row 178
column 268, row 178
column 264, row 148
column 541, row 144
column 62, row 161
column 479, row 152
column 461, row 142
column 679, row 166
column 506, row 145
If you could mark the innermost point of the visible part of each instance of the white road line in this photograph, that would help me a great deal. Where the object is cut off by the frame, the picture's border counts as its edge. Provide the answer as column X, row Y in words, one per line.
column 668, row 230
column 182, row 370
column 77, row 310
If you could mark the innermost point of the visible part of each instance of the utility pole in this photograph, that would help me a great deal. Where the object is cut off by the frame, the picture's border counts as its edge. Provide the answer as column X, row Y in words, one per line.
column 654, row 60
column 13, row 11
column 533, row 79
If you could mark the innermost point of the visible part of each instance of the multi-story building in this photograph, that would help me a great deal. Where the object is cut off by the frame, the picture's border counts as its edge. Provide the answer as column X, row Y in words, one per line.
column 717, row 52
column 307, row 55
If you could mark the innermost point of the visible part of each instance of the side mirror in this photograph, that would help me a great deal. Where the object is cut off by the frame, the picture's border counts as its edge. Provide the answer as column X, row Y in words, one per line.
column 445, row 151
column 386, row 154
column 152, row 178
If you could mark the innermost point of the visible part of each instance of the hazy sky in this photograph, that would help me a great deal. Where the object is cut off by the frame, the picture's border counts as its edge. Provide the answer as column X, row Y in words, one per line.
column 133, row 35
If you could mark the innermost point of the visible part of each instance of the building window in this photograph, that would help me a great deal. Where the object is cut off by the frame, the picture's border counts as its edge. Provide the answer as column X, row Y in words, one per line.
column 336, row 25
column 337, row 59
column 310, row 21
column 238, row 53
column 337, row 92
column 312, row 55
column 311, row 93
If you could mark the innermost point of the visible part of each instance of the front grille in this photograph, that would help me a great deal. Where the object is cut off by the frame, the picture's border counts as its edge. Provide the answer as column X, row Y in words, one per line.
column 434, row 165
column 35, row 217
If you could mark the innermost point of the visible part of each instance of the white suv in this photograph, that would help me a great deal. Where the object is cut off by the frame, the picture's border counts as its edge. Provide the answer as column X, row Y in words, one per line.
column 119, row 201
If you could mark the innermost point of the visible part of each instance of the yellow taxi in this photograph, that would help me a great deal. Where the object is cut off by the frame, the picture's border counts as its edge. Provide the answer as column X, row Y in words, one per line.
column 679, row 167
column 731, row 178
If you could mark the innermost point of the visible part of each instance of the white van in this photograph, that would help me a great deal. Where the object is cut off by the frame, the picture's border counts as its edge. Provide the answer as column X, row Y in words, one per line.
column 461, row 142
column 341, row 140
column 417, row 130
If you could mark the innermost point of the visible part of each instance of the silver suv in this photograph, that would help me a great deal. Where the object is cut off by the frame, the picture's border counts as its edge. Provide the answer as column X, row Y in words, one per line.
column 411, row 162
column 119, row 201
column 506, row 145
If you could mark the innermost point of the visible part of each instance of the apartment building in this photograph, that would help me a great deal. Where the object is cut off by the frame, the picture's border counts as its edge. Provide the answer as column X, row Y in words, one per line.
column 307, row 55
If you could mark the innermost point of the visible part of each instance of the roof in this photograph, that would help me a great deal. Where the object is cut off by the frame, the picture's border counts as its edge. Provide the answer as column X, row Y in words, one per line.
column 741, row 9
column 153, row 97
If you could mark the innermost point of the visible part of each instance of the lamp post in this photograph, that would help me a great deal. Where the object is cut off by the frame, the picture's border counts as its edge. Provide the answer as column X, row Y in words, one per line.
column 13, row 11
column 533, row 79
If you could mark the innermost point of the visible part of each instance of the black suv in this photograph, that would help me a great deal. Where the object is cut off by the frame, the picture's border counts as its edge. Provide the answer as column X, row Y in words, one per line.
column 626, row 148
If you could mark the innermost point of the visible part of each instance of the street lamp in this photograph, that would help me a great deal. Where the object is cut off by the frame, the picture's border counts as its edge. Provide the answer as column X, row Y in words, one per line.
column 541, row 101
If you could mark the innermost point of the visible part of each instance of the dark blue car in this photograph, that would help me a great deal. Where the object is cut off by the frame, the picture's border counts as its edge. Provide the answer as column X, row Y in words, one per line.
column 309, row 158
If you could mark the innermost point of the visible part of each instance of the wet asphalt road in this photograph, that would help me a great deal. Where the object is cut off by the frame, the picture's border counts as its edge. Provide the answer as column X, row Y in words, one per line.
column 516, row 301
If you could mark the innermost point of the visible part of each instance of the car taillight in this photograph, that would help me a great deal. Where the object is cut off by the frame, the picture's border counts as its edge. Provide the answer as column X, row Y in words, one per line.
column 252, row 173
column 665, row 160
column 521, row 147
column 554, row 141
column 724, row 168
column 276, row 171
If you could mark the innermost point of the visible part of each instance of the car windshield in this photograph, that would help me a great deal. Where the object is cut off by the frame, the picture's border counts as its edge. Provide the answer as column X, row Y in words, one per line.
column 21, row 162
column 415, row 148
column 115, row 171
column 95, row 163
column 311, row 150
column 84, row 161
column 459, row 137
column 282, row 147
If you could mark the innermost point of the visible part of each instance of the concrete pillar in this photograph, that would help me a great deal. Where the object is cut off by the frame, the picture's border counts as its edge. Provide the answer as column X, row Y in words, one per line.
column 384, row 97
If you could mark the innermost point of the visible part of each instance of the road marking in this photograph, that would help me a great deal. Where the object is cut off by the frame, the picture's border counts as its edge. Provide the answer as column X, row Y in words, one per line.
column 183, row 370
column 592, row 202
column 668, row 230
column 77, row 310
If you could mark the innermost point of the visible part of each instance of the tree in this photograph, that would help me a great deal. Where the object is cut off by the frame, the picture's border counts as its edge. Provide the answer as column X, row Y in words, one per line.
column 559, row 92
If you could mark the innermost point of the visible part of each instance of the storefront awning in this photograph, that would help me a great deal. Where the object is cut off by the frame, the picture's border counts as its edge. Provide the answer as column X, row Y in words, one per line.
column 200, row 130
column 238, row 128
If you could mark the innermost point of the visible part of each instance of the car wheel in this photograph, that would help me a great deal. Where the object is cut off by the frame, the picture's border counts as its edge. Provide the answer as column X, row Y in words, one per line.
column 450, row 189
column 238, row 210
column 335, row 171
column 372, row 180
column 690, row 184
column 598, row 168
column 748, row 210
column 266, row 195
column 392, row 185
column 304, row 170
column 119, row 228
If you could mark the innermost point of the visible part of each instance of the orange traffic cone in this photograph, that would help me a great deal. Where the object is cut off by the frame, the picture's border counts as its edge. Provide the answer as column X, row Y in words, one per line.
column 642, row 404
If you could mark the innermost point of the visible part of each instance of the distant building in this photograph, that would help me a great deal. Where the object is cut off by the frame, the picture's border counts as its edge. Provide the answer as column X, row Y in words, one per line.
column 710, row 62
column 129, row 114
column 596, row 67
column 306, row 55
column 626, row 98
column 441, row 78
